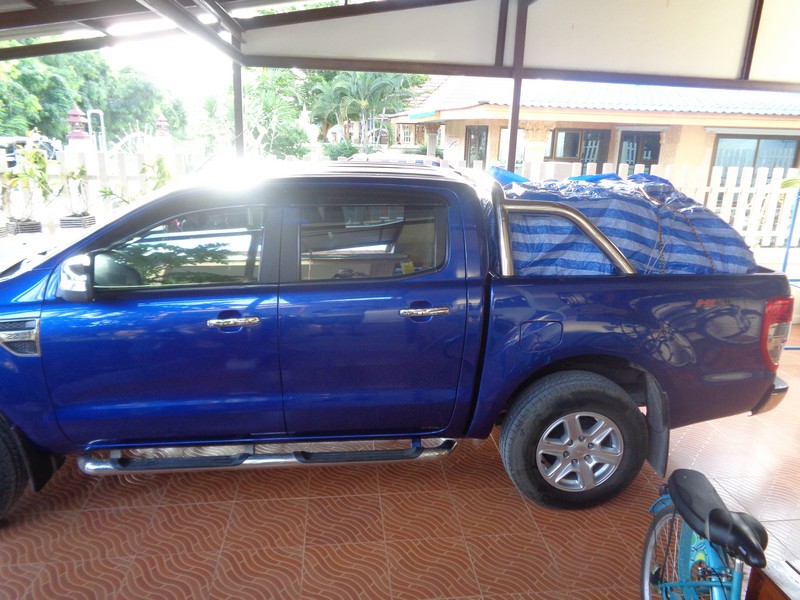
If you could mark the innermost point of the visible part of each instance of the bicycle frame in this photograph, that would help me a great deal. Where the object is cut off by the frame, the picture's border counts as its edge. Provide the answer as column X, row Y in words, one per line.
column 695, row 549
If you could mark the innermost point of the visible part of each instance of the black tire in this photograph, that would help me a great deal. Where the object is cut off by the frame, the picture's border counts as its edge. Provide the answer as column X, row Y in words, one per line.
column 13, row 473
column 550, row 467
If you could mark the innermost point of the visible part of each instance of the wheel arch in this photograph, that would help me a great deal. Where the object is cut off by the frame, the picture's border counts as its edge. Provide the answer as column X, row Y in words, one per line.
column 40, row 465
column 635, row 380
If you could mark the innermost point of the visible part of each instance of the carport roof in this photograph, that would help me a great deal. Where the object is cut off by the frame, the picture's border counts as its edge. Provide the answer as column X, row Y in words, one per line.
column 465, row 92
column 714, row 43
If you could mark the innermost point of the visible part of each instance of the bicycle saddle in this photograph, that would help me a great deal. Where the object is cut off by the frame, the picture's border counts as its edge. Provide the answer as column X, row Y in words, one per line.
column 699, row 504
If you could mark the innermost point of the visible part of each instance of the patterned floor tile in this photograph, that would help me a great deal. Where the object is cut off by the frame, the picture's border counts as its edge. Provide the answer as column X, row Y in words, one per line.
column 592, row 558
column 476, row 464
column 515, row 564
column 105, row 534
column 274, row 483
column 16, row 580
column 345, row 572
column 263, row 574
column 267, row 523
column 344, row 520
column 630, row 508
column 186, row 576
column 431, row 568
column 788, row 532
column 346, row 480
column 419, row 516
column 184, row 528
column 34, row 538
column 491, row 511
column 214, row 486
column 129, row 490
column 402, row 478
column 550, row 519
column 80, row 580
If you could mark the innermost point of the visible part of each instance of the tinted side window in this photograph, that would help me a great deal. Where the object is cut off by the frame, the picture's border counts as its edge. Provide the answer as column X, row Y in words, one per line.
column 371, row 240
column 220, row 246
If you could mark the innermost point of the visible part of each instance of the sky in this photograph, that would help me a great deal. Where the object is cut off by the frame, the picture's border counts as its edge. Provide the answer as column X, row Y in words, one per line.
column 179, row 64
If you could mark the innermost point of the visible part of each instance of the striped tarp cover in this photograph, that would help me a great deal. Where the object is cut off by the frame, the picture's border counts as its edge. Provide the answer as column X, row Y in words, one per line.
column 659, row 230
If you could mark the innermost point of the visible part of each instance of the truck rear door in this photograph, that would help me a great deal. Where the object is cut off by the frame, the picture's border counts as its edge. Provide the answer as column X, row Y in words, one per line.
column 372, row 311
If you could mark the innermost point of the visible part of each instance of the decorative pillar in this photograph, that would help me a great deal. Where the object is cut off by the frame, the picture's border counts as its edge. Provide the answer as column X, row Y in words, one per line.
column 78, row 138
column 431, row 133
column 163, row 141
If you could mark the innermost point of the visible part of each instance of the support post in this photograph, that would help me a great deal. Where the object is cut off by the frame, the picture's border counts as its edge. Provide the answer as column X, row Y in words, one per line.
column 521, row 30
column 238, row 107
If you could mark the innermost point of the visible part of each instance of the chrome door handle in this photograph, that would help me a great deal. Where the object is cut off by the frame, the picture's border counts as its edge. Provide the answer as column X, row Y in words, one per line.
column 424, row 312
column 238, row 322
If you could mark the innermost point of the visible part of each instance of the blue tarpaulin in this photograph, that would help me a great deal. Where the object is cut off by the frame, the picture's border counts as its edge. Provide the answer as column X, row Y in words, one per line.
column 659, row 230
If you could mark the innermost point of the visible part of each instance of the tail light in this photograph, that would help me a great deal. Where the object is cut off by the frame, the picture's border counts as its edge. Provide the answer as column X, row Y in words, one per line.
column 777, row 326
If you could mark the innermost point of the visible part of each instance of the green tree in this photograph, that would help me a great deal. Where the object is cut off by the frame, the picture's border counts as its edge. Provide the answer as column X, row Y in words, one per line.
column 272, row 105
column 39, row 92
column 18, row 107
column 87, row 73
column 53, row 93
column 175, row 113
column 133, row 103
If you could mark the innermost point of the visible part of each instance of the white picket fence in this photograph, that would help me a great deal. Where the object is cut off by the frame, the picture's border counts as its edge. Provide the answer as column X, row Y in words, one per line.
column 750, row 200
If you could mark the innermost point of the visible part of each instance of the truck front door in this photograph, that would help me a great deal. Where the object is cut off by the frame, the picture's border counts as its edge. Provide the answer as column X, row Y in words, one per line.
column 180, row 342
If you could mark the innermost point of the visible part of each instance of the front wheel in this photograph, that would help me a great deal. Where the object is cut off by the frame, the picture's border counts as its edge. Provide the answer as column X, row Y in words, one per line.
column 13, row 473
column 573, row 439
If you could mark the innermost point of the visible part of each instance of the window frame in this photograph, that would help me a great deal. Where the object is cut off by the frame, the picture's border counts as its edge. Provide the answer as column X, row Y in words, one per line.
column 551, row 155
column 480, row 131
column 638, row 159
column 261, row 267
column 292, row 253
column 759, row 138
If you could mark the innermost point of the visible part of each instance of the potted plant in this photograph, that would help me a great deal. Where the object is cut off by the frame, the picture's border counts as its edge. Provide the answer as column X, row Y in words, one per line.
column 5, row 202
column 29, row 179
column 76, row 186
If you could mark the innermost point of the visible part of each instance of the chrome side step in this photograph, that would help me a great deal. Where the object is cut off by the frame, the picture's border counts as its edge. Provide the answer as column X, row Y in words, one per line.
column 116, row 464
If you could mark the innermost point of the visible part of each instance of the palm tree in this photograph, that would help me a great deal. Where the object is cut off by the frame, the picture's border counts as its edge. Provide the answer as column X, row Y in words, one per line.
column 367, row 95
column 328, row 106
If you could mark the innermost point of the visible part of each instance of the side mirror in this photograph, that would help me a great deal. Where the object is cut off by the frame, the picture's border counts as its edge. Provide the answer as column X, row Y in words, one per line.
column 75, row 279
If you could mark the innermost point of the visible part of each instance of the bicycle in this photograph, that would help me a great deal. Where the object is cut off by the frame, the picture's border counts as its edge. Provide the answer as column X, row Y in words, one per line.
column 696, row 548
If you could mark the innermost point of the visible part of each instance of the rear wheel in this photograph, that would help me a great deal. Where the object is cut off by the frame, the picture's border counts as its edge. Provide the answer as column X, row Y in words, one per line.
column 672, row 554
column 573, row 439
column 13, row 474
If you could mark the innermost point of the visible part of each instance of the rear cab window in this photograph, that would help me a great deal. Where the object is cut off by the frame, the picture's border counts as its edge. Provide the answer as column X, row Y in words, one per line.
column 371, row 240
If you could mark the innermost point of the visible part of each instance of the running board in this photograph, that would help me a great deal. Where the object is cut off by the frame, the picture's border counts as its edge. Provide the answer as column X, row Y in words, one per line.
column 117, row 465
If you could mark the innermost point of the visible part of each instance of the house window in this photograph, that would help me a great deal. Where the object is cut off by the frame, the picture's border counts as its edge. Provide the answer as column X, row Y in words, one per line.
column 587, row 146
column 756, row 152
column 475, row 148
column 407, row 132
column 639, row 148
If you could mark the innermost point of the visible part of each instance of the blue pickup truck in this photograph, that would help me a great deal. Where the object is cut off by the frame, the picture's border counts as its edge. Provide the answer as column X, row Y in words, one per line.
column 364, row 302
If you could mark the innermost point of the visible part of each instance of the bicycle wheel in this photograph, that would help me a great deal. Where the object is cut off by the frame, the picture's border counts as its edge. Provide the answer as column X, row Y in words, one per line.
column 667, row 559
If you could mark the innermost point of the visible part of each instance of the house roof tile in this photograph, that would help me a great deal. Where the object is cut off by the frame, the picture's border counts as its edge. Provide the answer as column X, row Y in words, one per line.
column 465, row 92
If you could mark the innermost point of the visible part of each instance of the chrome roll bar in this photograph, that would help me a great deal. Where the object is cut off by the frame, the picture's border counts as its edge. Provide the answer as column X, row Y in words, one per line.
column 538, row 207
